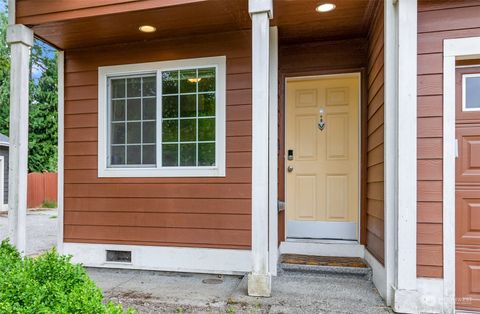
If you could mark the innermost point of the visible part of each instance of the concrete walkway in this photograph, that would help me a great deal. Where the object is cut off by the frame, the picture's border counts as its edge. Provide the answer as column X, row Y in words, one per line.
column 162, row 292
column 41, row 230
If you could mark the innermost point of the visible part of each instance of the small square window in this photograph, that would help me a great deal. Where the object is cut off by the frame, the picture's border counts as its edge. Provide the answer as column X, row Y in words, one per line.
column 471, row 92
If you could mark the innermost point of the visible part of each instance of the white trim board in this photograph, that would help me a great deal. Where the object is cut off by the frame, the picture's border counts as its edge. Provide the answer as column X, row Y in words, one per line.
column 272, row 152
column 379, row 276
column 61, row 157
column 162, row 258
column 390, row 55
column 317, row 248
column 430, row 291
column 464, row 92
column 453, row 49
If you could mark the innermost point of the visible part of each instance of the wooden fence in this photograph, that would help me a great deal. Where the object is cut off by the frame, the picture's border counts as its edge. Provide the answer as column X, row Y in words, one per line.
column 41, row 187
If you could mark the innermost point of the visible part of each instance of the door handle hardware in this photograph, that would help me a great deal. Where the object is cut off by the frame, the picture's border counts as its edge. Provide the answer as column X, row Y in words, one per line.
column 456, row 148
column 290, row 168
column 290, row 154
column 321, row 123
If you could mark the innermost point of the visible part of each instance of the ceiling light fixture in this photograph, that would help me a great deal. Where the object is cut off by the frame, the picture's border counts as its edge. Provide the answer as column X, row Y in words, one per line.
column 325, row 7
column 147, row 29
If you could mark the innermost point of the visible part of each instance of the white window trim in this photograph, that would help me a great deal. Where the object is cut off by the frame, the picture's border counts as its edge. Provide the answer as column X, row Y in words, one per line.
column 141, row 68
column 464, row 92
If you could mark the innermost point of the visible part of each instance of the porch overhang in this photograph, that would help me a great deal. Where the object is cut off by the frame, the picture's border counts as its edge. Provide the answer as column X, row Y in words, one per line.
column 83, row 24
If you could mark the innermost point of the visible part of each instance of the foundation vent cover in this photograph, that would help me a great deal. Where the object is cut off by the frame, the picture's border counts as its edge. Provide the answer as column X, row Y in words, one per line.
column 119, row 256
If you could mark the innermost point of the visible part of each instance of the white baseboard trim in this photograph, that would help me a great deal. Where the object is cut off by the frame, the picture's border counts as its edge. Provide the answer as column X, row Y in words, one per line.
column 179, row 259
column 322, row 249
column 4, row 207
column 428, row 298
column 430, row 295
column 379, row 275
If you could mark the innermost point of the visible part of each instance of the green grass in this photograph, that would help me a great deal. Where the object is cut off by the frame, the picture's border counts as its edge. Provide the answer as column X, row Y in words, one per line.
column 49, row 204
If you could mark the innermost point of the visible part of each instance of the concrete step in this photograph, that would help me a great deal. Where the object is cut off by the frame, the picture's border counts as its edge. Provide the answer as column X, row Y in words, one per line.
column 336, row 266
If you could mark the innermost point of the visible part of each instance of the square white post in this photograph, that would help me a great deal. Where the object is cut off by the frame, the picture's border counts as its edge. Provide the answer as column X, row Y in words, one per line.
column 20, row 39
column 259, row 281
column 401, row 153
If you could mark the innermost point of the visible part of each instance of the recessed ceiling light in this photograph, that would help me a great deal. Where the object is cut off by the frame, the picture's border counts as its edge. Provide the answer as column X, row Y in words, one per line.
column 147, row 28
column 325, row 7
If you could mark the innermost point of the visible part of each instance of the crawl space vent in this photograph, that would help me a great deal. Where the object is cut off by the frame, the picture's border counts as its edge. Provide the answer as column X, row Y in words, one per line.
column 119, row 256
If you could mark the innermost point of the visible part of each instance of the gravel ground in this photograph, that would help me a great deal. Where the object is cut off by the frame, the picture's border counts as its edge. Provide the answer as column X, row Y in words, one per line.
column 41, row 230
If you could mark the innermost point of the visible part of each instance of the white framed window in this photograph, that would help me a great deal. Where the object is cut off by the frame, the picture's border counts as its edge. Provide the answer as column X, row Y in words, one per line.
column 162, row 119
column 471, row 92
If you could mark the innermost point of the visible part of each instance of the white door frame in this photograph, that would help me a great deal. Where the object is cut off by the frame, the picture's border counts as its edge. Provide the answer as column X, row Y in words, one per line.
column 358, row 75
column 453, row 50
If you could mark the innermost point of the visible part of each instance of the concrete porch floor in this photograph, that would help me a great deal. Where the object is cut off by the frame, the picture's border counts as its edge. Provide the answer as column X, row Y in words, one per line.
column 164, row 292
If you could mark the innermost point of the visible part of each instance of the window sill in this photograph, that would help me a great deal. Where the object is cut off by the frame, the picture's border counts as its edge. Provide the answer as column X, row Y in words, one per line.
column 160, row 173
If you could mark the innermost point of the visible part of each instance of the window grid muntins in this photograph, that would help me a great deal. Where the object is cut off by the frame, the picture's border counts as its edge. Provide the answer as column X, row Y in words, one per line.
column 187, row 114
column 185, row 149
column 132, row 121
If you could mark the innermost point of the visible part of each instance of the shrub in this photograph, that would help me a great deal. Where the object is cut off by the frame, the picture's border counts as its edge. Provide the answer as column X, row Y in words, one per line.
column 49, row 283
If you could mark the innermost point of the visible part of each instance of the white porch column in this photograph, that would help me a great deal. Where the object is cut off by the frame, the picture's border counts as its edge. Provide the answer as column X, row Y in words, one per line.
column 20, row 39
column 259, row 281
column 401, row 152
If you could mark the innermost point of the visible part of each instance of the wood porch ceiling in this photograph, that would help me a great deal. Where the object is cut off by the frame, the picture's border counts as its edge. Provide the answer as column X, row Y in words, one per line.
column 85, row 27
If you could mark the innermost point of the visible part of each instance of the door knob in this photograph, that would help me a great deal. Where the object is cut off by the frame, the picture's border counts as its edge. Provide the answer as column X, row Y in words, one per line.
column 290, row 168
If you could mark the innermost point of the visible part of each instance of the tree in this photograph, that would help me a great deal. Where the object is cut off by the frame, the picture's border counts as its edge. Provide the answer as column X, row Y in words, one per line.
column 42, row 140
column 43, row 100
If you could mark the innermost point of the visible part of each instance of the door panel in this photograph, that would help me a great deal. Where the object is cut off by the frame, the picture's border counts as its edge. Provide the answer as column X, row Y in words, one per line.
column 468, row 167
column 467, row 265
column 305, row 127
column 337, row 203
column 468, row 217
column 306, row 185
column 337, row 137
column 467, row 203
column 323, row 184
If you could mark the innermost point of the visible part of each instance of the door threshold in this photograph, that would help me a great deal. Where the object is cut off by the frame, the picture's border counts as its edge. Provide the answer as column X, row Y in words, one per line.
column 322, row 247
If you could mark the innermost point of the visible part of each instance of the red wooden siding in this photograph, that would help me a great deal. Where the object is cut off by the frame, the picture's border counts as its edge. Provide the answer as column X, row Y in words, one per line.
column 312, row 58
column 375, row 140
column 437, row 20
column 193, row 212
column 41, row 187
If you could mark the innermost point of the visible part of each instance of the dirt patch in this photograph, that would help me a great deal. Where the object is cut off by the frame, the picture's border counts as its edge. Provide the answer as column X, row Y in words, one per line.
column 144, row 303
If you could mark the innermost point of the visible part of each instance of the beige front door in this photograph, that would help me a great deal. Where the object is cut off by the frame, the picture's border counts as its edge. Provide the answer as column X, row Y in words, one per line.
column 322, row 160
